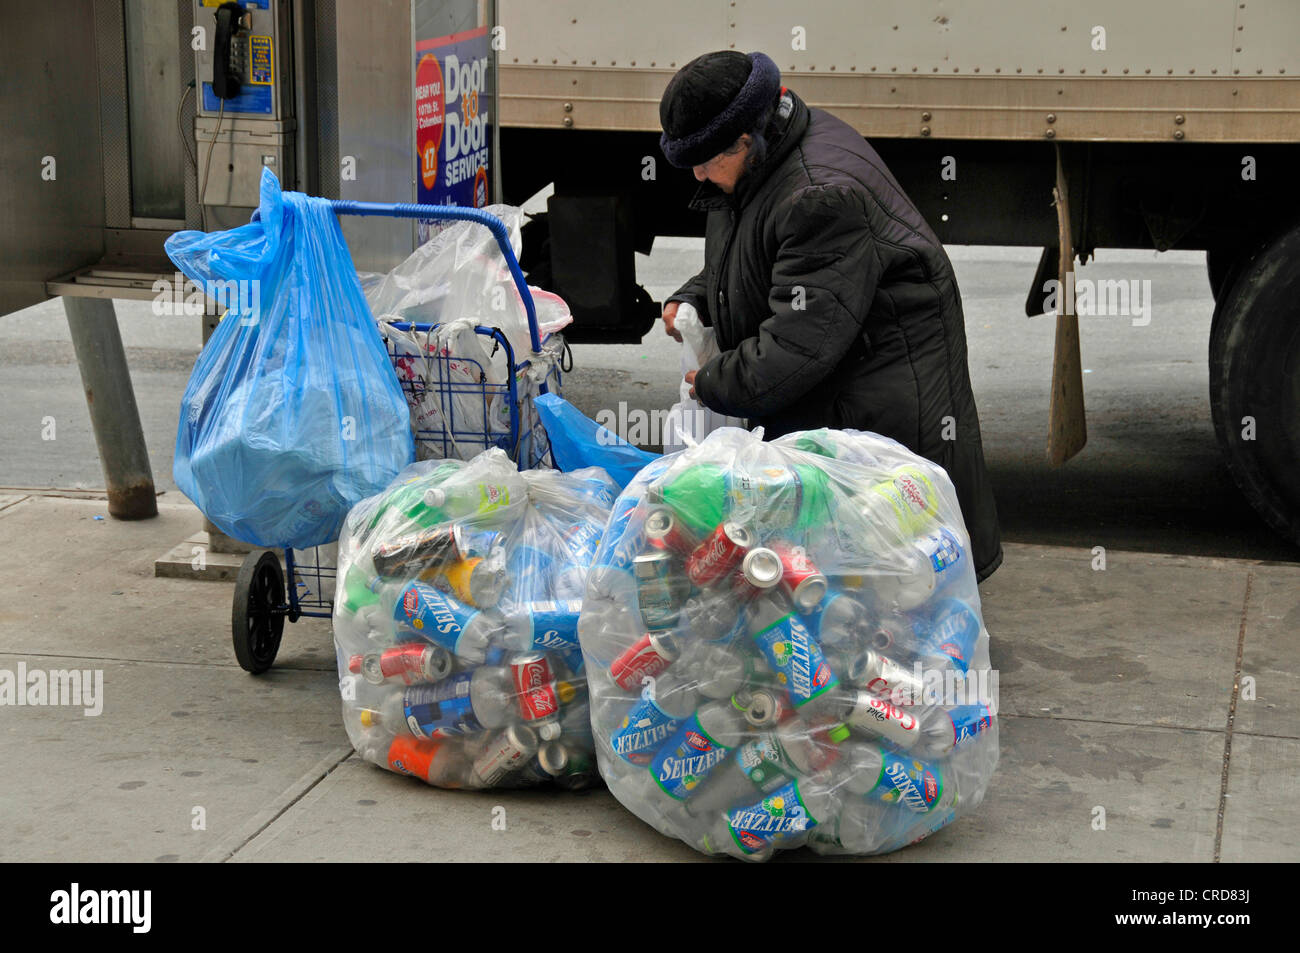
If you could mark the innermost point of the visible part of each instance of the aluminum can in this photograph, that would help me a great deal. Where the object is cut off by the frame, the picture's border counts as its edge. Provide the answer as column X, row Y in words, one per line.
column 803, row 581
column 539, row 703
column 663, row 530
column 506, row 753
column 719, row 554
column 410, row 664
column 653, row 653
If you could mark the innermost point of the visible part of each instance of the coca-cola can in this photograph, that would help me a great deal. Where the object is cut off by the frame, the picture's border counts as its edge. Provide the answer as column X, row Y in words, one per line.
column 719, row 554
column 653, row 653
column 884, row 720
column 760, row 571
column 663, row 530
column 411, row 664
column 885, row 678
column 805, row 583
column 505, row 754
column 535, row 687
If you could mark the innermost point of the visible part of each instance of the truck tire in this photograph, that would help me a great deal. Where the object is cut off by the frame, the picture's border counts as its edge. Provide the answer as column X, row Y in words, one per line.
column 1255, row 379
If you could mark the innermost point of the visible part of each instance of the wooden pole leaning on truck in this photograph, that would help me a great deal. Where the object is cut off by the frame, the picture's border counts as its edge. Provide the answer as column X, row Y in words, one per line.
column 1067, row 429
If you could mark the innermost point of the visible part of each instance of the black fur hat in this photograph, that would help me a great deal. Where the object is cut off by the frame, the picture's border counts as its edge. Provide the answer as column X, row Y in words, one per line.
column 712, row 101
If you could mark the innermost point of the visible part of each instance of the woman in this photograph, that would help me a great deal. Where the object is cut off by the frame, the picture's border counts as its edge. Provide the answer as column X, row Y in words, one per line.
column 833, row 302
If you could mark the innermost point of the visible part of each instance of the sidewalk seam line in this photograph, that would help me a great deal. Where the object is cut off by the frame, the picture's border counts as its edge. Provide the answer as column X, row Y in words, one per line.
column 281, row 812
column 1232, row 715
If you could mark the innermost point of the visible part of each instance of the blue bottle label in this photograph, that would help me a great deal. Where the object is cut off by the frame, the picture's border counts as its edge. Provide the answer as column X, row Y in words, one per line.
column 943, row 549
column 434, row 615
column 915, row 784
column 686, row 759
column 953, row 632
column 968, row 721
column 581, row 542
column 443, row 709
column 619, row 543
column 555, row 624
column 643, row 730
column 797, row 659
column 780, row 815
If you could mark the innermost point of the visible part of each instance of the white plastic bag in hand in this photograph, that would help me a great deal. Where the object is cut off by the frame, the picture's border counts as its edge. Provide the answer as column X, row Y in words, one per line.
column 689, row 421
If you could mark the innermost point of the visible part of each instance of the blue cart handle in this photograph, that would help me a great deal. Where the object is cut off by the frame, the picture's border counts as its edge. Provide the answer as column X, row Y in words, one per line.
column 456, row 213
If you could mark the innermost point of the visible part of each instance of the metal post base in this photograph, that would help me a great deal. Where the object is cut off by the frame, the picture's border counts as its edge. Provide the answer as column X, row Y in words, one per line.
column 113, row 411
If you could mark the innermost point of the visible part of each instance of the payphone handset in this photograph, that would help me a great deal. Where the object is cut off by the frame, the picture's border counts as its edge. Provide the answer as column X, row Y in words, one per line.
column 230, row 53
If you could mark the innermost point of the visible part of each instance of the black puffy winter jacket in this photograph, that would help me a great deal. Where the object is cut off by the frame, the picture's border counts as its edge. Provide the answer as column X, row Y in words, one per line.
column 835, row 306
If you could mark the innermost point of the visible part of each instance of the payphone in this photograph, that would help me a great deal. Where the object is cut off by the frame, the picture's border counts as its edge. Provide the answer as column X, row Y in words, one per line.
column 244, row 120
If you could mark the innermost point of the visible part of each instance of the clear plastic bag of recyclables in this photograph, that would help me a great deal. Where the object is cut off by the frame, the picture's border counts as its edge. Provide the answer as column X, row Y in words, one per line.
column 293, row 412
column 784, row 647
column 456, row 622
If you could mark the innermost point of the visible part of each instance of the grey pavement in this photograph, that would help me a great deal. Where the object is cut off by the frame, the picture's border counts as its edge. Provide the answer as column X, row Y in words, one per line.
column 1160, row 690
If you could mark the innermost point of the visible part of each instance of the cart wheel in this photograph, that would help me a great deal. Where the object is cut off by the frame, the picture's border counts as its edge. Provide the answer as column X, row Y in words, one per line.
column 257, row 619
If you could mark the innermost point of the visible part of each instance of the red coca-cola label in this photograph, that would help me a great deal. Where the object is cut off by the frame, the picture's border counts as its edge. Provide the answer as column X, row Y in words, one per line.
column 637, row 662
column 535, row 688
column 402, row 660
column 714, row 558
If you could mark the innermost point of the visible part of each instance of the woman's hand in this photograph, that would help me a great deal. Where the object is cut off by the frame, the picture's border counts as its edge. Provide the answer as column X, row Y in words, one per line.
column 670, row 321
column 690, row 379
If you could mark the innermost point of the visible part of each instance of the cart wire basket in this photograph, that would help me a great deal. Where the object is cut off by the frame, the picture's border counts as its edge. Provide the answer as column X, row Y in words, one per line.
column 458, row 407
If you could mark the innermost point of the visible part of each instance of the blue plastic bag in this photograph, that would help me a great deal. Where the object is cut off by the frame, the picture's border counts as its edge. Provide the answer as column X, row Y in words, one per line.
column 578, row 441
column 293, row 412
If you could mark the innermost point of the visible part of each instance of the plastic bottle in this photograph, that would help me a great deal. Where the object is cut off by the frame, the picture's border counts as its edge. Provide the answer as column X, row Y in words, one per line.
column 906, row 782
column 911, row 575
column 718, row 671
column 440, row 763
column 408, row 502
column 653, row 719
column 792, row 653
column 437, row 616
column 464, row 703
column 781, row 818
column 700, row 744
column 543, row 626
column 773, row 497
column 839, row 619
column 945, row 729
column 711, row 617
column 766, row 762
column 951, row 628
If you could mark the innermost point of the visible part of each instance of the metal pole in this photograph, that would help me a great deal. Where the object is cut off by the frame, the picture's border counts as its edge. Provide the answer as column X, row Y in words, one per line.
column 113, row 412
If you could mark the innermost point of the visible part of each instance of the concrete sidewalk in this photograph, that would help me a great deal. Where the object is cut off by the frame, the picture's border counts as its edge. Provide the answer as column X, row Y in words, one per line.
column 1162, row 690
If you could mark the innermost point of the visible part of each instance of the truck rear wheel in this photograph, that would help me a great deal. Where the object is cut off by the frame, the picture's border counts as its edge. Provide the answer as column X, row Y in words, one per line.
column 1255, row 379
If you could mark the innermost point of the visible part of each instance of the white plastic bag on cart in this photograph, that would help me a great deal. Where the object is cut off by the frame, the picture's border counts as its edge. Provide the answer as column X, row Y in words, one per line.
column 461, row 273
column 689, row 421
column 456, row 625
column 455, row 383
column 784, row 647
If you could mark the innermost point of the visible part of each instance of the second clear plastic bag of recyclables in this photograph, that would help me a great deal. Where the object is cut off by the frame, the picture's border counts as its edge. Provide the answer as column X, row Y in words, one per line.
column 456, row 622
column 292, row 413
column 784, row 647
